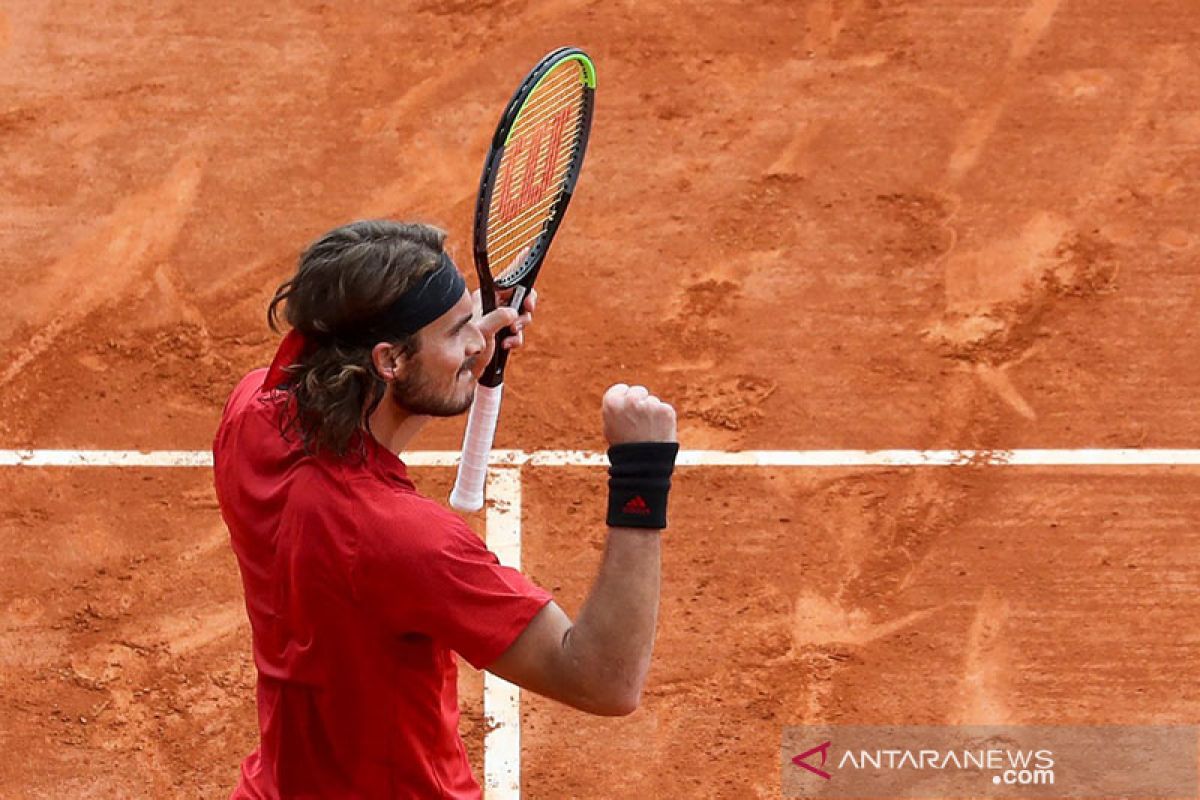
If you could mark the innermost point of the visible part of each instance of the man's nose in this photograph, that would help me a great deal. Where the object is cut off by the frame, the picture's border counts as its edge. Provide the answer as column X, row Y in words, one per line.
column 478, row 342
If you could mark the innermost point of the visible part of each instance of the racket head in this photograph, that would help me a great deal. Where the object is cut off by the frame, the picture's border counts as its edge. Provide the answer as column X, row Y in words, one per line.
column 530, row 172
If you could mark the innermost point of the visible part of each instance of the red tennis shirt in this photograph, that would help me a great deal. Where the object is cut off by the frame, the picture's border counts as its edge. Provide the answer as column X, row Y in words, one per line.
column 359, row 592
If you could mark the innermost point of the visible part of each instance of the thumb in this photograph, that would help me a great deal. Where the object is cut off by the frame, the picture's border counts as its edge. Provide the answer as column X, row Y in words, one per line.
column 491, row 323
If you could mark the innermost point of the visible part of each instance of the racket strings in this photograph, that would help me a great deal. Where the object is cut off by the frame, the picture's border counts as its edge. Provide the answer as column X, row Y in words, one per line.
column 563, row 154
column 567, row 148
column 513, row 162
column 525, row 228
column 525, row 219
column 565, row 80
column 546, row 105
column 540, row 153
column 532, row 174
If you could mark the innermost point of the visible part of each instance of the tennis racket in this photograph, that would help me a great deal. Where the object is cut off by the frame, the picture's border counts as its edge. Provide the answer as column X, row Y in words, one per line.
column 528, row 179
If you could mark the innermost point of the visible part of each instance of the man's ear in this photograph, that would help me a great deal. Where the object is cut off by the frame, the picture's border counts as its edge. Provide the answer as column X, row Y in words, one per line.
column 388, row 361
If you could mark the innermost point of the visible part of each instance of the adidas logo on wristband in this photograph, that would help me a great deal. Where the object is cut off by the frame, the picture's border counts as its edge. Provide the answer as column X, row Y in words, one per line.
column 636, row 506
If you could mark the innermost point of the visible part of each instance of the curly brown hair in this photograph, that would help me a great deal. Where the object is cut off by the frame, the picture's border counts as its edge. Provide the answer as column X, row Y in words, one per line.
column 345, row 277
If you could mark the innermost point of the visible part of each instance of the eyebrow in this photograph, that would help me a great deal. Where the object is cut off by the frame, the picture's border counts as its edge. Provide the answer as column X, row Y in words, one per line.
column 458, row 326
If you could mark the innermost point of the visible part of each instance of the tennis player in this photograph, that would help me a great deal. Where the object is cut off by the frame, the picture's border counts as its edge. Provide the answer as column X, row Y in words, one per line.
column 359, row 589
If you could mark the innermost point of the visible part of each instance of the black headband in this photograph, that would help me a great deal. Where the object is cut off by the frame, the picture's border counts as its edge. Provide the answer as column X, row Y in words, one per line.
column 432, row 296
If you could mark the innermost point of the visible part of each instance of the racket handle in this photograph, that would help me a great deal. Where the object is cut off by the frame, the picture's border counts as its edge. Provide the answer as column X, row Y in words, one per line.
column 477, row 445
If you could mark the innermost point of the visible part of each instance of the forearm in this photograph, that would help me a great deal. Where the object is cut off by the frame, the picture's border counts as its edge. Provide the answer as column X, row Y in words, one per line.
column 610, row 644
column 599, row 663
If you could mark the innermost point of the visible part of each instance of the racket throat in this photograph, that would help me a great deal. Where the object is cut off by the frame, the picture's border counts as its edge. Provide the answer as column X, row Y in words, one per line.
column 518, row 298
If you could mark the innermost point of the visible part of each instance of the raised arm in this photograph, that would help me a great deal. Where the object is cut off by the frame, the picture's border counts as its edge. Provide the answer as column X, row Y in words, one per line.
column 599, row 663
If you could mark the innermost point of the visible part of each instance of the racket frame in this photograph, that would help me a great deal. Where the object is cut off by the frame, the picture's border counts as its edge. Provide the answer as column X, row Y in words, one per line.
column 524, row 276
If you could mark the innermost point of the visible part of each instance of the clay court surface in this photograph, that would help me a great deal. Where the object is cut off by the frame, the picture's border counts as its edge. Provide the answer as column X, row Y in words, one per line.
column 816, row 224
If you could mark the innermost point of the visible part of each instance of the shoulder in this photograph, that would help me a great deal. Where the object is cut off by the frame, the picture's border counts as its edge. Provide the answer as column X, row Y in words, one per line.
column 250, row 421
column 245, row 398
column 244, row 393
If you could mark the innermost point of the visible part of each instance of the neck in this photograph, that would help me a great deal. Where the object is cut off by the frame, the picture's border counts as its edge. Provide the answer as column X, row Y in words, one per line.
column 392, row 426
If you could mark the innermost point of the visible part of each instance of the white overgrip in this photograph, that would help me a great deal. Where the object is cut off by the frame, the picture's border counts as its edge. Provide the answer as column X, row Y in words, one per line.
column 477, row 445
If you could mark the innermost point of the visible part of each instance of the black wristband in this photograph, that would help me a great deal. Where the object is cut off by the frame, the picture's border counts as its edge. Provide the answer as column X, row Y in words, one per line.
column 638, row 483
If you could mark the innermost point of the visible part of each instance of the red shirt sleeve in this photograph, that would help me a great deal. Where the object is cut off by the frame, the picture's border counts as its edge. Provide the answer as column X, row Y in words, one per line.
column 424, row 571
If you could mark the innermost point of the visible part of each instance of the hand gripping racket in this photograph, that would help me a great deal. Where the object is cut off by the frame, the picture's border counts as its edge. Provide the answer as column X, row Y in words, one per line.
column 527, row 182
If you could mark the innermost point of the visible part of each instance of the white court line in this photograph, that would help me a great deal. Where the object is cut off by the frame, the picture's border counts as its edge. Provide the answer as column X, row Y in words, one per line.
column 884, row 458
column 1121, row 457
column 105, row 458
column 501, row 699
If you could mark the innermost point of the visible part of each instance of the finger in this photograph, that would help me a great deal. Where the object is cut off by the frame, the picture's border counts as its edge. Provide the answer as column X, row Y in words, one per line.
column 530, row 301
column 615, row 392
column 638, row 393
column 491, row 323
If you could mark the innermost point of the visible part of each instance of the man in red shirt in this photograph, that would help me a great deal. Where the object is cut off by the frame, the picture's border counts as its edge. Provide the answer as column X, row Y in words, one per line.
column 358, row 588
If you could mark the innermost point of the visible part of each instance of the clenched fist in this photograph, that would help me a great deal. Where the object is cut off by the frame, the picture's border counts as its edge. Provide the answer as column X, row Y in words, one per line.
column 632, row 414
